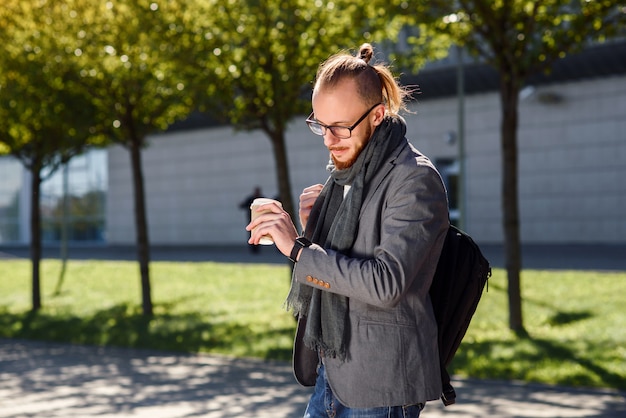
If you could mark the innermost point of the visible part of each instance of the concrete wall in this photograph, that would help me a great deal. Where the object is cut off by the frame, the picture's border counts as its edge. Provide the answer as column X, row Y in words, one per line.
column 572, row 160
column 572, row 166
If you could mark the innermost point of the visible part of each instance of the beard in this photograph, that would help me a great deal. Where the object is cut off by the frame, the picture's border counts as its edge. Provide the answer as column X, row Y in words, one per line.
column 342, row 165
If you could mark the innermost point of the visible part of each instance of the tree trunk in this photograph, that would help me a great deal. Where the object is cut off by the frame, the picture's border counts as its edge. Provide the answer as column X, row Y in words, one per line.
column 143, row 244
column 282, row 173
column 64, row 229
column 35, row 232
column 509, row 95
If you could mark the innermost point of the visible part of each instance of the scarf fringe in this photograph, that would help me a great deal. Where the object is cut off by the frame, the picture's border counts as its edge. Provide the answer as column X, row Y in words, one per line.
column 329, row 352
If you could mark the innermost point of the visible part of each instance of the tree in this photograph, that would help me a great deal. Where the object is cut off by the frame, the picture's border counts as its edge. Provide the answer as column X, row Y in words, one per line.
column 518, row 38
column 265, row 54
column 43, row 121
column 135, row 59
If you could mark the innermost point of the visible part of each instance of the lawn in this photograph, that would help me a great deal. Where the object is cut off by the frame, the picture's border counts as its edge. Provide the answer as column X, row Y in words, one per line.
column 576, row 321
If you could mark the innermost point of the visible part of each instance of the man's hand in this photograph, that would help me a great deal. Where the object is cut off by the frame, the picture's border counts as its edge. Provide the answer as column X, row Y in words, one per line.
column 307, row 199
column 275, row 222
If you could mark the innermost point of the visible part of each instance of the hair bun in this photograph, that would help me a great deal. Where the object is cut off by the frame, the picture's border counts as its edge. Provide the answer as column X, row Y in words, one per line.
column 366, row 51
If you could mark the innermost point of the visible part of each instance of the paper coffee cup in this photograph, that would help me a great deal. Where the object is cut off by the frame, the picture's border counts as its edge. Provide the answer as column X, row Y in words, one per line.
column 266, row 239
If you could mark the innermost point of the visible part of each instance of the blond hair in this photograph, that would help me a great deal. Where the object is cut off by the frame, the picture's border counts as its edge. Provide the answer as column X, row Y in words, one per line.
column 376, row 83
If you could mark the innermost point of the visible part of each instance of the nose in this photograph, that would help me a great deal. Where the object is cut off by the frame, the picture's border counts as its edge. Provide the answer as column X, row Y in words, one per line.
column 329, row 138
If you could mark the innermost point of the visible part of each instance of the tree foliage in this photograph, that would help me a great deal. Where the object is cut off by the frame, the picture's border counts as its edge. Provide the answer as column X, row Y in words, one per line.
column 43, row 113
column 128, row 57
column 525, row 37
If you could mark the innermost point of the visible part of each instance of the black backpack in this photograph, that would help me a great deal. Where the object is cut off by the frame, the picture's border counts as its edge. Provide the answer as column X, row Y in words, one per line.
column 457, row 286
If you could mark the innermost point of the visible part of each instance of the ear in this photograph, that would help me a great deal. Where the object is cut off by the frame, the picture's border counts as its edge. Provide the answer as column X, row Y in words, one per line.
column 379, row 114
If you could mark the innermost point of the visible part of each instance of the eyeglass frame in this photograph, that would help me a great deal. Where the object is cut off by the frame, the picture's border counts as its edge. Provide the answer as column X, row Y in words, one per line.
column 310, row 122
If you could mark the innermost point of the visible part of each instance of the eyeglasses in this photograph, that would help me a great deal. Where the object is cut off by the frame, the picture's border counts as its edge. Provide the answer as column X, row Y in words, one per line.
column 341, row 132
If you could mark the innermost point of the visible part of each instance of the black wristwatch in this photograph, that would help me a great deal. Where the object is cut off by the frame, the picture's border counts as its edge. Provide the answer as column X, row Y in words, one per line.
column 301, row 243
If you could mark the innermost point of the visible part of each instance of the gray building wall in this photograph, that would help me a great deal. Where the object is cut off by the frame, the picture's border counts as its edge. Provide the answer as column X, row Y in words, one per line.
column 572, row 165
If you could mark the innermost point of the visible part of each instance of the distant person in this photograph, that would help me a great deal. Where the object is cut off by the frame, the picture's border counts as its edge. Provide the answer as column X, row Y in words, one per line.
column 367, row 335
column 245, row 205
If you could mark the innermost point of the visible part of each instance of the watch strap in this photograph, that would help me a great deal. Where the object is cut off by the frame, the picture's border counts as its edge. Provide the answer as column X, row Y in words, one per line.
column 300, row 243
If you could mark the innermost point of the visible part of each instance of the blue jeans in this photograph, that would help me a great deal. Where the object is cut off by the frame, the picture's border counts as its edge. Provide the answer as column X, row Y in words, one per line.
column 324, row 404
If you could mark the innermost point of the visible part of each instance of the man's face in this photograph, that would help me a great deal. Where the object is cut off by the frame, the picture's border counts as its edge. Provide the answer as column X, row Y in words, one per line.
column 342, row 106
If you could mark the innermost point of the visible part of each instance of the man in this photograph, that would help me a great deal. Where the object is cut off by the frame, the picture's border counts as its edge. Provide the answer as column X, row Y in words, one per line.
column 367, row 335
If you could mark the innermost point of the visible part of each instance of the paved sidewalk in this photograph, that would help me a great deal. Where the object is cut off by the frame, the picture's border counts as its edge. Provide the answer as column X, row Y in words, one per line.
column 39, row 379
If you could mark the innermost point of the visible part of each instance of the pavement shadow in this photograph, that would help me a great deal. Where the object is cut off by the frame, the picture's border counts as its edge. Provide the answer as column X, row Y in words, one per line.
column 62, row 380
column 506, row 399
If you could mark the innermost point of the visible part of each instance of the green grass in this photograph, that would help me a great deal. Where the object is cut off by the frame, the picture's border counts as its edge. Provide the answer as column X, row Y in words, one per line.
column 576, row 324
column 233, row 309
column 576, row 320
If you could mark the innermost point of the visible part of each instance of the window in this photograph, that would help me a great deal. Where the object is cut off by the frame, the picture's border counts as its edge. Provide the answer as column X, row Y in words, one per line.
column 11, row 175
column 73, row 200
column 449, row 170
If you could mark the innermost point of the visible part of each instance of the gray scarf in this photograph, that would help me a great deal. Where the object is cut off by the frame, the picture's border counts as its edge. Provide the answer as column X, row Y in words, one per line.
column 333, row 223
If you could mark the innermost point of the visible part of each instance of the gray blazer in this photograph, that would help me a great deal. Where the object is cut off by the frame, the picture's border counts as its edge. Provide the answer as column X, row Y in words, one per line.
column 392, row 353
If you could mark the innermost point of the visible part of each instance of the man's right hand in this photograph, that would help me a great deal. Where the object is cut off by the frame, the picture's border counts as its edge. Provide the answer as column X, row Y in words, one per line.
column 307, row 199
